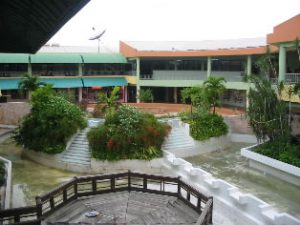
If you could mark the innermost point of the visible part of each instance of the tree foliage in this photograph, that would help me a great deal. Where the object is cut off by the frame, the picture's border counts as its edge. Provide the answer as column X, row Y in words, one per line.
column 29, row 84
column 214, row 88
column 50, row 124
column 146, row 95
column 109, row 101
column 267, row 113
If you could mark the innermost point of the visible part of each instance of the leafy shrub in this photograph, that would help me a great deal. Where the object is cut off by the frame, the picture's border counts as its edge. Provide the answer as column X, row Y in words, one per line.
column 128, row 134
column 206, row 125
column 146, row 95
column 282, row 151
column 52, row 121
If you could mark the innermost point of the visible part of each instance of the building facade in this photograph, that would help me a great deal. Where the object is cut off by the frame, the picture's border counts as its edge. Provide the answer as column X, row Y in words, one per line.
column 163, row 67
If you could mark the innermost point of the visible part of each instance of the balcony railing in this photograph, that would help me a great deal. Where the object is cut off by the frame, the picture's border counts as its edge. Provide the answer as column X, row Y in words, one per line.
column 233, row 76
column 92, row 185
column 292, row 78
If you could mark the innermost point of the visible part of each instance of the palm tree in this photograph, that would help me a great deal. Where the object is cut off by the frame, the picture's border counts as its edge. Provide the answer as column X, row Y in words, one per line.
column 29, row 84
column 110, row 101
column 214, row 87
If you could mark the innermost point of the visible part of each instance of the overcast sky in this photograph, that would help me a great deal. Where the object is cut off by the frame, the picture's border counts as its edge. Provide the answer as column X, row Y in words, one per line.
column 174, row 20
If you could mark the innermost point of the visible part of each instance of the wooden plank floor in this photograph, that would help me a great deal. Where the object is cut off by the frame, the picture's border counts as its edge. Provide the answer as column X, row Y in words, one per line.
column 125, row 208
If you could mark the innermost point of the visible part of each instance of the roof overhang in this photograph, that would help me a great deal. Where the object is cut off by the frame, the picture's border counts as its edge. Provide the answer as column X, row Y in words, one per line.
column 25, row 26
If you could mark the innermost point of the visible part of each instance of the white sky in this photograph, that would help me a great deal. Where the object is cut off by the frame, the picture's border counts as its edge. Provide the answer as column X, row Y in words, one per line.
column 174, row 20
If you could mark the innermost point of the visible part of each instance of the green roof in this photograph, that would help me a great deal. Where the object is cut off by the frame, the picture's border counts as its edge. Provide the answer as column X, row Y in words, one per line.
column 14, row 58
column 9, row 83
column 56, row 58
column 63, row 82
column 103, row 58
column 104, row 81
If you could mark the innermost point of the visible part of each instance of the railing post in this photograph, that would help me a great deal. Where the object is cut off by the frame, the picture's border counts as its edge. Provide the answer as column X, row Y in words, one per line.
column 16, row 218
column 51, row 202
column 94, row 184
column 112, row 183
column 211, row 211
column 199, row 203
column 75, row 187
column 39, row 207
column 178, row 186
column 65, row 196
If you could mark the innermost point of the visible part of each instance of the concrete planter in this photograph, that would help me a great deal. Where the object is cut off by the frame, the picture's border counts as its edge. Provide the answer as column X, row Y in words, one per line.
column 97, row 166
column 272, row 166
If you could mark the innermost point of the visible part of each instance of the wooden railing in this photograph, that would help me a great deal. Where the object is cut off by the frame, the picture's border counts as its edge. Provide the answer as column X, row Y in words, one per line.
column 92, row 185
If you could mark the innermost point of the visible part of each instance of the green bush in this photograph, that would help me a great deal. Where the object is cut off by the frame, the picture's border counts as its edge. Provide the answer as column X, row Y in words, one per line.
column 206, row 125
column 146, row 95
column 128, row 134
column 282, row 151
column 50, row 124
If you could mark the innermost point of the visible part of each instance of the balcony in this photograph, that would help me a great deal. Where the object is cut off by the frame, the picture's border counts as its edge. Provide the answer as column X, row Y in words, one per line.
column 292, row 78
column 231, row 76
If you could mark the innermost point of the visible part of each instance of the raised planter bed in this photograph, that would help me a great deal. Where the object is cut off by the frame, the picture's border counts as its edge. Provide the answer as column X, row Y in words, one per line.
column 267, row 165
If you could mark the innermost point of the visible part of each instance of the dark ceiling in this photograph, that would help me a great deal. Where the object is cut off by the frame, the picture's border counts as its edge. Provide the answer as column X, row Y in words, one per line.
column 26, row 25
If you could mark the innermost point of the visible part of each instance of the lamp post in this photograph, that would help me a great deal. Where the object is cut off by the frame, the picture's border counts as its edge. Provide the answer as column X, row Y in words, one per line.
column 97, row 37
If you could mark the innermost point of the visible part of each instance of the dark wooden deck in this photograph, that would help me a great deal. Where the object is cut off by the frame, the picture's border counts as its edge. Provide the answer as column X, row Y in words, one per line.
column 126, row 208
column 123, row 198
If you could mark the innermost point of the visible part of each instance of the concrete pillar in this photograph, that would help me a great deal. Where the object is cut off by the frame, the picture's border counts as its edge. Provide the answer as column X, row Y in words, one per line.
column 208, row 66
column 282, row 63
column 138, row 80
column 175, row 94
column 249, row 65
column 80, row 72
column 29, row 69
column 125, row 94
column 80, row 94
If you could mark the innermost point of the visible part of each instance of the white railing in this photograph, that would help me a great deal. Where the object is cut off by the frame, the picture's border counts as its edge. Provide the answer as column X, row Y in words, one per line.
column 292, row 78
column 231, row 202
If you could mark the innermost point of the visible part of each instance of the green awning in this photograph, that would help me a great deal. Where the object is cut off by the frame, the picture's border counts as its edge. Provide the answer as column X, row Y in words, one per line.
column 104, row 81
column 9, row 83
column 103, row 58
column 56, row 58
column 14, row 58
column 63, row 82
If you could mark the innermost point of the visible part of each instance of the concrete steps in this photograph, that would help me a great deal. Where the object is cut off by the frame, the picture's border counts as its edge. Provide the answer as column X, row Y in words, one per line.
column 78, row 152
column 179, row 138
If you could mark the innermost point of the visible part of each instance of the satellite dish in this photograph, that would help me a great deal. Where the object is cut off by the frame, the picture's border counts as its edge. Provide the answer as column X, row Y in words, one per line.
column 97, row 36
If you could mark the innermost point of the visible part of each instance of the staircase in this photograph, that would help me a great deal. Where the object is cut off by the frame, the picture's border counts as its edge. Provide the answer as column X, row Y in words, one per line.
column 179, row 138
column 78, row 151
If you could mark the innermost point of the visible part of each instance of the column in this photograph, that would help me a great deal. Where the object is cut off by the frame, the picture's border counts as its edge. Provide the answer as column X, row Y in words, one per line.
column 208, row 66
column 249, row 65
column 175, row 95
column 80, row 88
column 282, row 63
column 29, row 69
column 138, row 80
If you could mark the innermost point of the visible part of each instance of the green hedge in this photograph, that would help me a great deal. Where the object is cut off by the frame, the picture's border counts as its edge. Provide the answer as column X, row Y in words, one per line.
column 206, row 125
column 50, row 124
column 128, row 134
column 282, row 151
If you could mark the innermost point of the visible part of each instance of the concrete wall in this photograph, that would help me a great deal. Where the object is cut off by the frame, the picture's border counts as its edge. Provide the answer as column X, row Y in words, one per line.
column 12, row 112
column 231, row 206
column 271, row 166
column 97, row 166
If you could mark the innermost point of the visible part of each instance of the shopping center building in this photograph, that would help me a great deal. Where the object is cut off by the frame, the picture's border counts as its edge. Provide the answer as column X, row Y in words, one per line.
column 164, row 67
